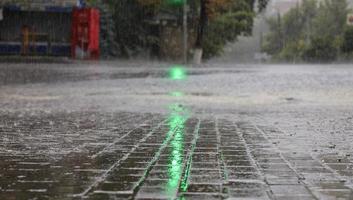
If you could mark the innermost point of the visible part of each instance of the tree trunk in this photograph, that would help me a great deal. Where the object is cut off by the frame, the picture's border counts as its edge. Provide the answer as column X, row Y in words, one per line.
column 200, row 32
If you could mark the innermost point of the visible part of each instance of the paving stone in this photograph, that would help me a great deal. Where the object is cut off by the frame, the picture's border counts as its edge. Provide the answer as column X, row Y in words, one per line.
column 250, row 193
column 290, row 191
column 279, row 173
column 123, row 187
column 348, row 173
column 298, row 197
column 200, row 196
column 223, row 161
column 155, row 182
column 275, row 166
column 204, row 188
column 248, row 198
column 245, row 163
column 100, row 195
column 243, row 175
column 333, row 193
column 154, row 193
column 205, row 165
column 283, row 180
column 206, row 178
column 341, row 166
column 240, row 169
column 312, row 169
column 246, row 185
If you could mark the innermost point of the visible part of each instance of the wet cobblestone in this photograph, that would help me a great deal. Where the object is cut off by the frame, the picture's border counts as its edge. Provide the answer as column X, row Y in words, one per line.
column 196, row 159
column 86, row 137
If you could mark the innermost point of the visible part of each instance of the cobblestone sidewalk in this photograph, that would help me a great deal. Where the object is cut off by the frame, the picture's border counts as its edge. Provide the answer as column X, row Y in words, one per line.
column 147, row 156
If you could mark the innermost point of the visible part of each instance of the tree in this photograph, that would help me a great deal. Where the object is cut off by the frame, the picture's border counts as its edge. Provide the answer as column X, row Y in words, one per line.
column 312, row 31
column 221, row 22
column 129, row 33
column 347, row 46
column 330, row 19
column 322, row 49
column 274, row 40
column 215, row 22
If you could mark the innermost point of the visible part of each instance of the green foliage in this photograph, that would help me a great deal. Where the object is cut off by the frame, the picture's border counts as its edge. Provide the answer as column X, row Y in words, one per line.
column 293, row 51
column 322, row 49
column 131, row 33
column 273, row 42
column 135, row 29
column 331, row 18
column 312, row 31
column 347, row 46
column 175, row 2
column 262, row 4
column 236, row 20
column 226, row 28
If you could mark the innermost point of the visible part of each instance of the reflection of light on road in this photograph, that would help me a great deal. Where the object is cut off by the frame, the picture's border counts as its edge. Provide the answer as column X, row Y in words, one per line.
column 178, row 117
column 177, row 94
column 177, row 72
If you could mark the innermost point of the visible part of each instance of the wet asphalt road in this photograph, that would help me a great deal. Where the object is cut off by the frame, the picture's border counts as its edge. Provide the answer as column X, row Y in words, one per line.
column 133, row 130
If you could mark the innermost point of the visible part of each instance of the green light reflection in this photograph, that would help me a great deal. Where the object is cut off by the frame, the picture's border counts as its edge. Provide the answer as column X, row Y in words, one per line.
column 177, row 72
column 178, row 117
column 177, row 94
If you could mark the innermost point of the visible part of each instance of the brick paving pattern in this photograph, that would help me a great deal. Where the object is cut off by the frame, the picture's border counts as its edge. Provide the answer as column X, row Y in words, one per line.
column 147, row 156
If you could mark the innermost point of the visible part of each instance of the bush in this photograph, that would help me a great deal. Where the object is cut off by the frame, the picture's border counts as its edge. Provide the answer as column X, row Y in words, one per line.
column 321, row 49
column 312, row 31
column 347, row 46
column 293, row 51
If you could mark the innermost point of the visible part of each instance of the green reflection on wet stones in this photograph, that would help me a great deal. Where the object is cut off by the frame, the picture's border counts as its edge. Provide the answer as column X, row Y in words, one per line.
column 176, row 94
column 178, row 117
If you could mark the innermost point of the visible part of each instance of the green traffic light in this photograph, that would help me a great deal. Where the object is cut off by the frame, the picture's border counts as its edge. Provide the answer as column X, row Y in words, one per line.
column 176, row 2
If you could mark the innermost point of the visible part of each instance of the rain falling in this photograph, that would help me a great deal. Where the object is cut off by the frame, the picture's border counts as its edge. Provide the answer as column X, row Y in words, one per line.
column 176, row 99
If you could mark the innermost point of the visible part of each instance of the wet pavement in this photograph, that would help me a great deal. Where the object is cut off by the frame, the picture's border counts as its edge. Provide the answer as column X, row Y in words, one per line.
column 137, row 130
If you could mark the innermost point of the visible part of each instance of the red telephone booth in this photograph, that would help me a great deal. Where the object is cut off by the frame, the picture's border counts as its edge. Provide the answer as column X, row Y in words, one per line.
column 85, row 33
